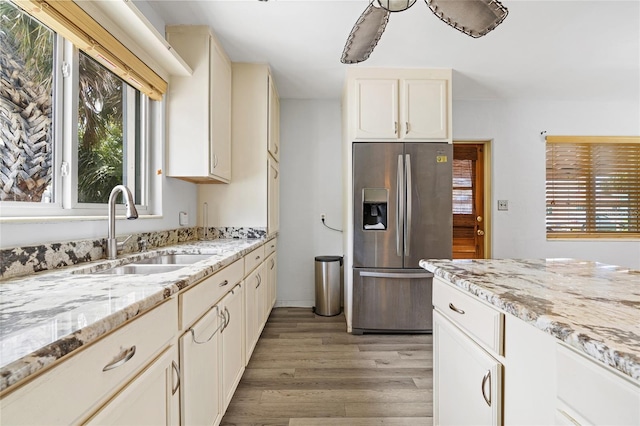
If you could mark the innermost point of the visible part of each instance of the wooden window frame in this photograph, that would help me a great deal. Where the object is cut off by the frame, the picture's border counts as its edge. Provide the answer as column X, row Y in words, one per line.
column 590, row 202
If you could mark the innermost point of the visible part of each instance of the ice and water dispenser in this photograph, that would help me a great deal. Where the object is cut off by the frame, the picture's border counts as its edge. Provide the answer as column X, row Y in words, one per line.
column 374, row 208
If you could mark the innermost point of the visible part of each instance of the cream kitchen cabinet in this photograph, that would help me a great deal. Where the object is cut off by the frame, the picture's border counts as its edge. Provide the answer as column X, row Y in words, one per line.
column 256, row 283
column 273, row 142
column 404, row 109
column 232, row 342
column 252, row 110
column 272, row 276
column 152, row 398
column 463, row 371
column 200, row 361
column 467, row 338
column 199, row 109
column 80, row 386
column 273, row 197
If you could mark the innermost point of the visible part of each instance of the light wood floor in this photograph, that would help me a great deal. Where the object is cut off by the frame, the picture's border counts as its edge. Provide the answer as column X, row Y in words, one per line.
column 307, row 370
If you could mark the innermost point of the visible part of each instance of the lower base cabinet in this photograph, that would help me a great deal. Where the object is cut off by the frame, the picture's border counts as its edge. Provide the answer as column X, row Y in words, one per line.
column 199, row 361
column 463, row 371
column 152, row 398
column 232, row 361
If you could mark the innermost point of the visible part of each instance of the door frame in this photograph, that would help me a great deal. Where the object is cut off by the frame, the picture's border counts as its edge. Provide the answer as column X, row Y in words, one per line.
column 488, row 198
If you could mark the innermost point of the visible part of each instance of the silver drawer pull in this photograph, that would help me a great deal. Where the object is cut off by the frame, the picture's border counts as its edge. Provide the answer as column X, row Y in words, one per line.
column 177, row 370
column 273, row 263
column 454, row 309
column 259, row 280
column 125, row 357
column 486, row 377
column 223, row 283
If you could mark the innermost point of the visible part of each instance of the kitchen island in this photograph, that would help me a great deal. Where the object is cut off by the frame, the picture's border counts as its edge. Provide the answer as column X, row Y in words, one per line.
column 563, row 333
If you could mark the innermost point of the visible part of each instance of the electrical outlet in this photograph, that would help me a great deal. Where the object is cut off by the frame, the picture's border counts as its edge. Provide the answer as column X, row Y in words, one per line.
column 503, row 205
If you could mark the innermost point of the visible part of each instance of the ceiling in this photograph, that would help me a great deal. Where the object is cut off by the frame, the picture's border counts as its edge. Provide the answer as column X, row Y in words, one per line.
column 563, row 50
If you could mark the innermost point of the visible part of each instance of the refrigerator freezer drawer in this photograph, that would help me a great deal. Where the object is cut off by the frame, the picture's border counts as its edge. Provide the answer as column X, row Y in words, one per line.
column 392, row 300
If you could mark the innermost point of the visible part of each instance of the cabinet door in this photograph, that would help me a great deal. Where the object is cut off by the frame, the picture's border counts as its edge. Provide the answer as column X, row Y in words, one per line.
column 273, row 144
column 220, row 101
column 152, row 398
column 273, row 197
column 233, row 363
column 200, row 362
column 272, row 274
column 424, row 110
column 255, row 284
column 377, row 109
column 467, row 381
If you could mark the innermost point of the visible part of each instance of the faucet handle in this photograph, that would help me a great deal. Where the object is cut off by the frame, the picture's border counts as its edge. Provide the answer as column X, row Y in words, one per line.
column 142, row 245
column 121, row 244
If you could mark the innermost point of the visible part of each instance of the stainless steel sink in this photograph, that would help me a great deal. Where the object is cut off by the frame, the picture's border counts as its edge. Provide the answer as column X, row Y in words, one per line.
column 173, row 259
column 139, row 269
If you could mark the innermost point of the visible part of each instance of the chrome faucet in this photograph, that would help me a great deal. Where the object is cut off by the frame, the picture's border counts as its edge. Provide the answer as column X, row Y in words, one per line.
column 131, row 213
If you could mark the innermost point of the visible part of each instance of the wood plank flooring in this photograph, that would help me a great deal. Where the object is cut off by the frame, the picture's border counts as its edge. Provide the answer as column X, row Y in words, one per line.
column 307, row 370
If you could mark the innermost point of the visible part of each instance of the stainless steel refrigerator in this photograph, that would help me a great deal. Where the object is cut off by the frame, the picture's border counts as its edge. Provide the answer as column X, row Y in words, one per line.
column 402, row 195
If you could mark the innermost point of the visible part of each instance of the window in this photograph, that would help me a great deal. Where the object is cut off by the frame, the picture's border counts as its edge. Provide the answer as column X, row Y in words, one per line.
column 70, row 127
column 593, row 187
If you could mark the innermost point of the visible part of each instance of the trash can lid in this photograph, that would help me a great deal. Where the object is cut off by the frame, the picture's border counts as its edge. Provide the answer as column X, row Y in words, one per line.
column 328, row 258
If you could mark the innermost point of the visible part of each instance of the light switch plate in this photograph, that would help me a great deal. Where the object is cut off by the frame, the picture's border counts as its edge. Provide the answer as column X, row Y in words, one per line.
column 503, row 205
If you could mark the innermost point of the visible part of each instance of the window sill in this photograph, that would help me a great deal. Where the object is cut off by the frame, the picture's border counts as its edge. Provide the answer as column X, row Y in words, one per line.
column 592, row 237
column 52, row 219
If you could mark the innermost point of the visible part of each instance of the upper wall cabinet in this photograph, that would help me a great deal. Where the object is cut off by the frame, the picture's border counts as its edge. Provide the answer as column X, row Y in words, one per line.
column 400, row 105
column 199, row 109
column 273, row 142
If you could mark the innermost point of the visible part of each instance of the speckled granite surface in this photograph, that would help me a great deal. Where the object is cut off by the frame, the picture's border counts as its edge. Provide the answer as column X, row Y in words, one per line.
column 47, row 315
column 21, row 261
column 591, row 306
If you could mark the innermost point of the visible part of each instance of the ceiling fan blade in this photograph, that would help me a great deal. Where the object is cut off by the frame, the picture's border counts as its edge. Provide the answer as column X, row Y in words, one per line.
column 365, row 35
column 473, row 17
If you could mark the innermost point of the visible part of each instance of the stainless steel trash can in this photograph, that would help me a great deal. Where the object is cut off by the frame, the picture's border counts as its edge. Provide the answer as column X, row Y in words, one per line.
column 328, row 280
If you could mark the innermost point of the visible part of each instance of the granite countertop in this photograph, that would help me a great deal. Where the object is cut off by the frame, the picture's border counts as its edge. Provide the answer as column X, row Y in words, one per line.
column 47, row 315
column 590, row 306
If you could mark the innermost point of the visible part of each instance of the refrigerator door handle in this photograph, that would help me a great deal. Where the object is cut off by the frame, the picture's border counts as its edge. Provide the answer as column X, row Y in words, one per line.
column 406, row 275
column 407, row 229
column 399, row 204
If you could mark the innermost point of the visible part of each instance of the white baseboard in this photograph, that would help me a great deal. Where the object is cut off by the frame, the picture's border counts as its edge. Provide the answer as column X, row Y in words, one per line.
column 295, row 303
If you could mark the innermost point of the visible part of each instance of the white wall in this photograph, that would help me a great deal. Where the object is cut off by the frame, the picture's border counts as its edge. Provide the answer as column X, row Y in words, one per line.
column 311, row 184
column 170, row 196
column 518, row 173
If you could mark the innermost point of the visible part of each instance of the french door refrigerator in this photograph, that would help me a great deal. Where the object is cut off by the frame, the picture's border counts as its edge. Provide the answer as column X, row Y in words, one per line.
column 402, row 196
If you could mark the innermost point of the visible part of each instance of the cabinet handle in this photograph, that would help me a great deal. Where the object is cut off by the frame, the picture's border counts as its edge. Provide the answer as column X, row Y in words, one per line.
column 257, row 257
column 215, row 161
column 259, row 280
column 395, row 127
column 486, row 377
column 276, row 151
column 273, row 263
column 193, row 333
column 454, row 309
column 177, row 370
column 126, row 356
column 228, row 315
column 273, row 245
column 406, row 127
column 223, row 283
column 276, row 175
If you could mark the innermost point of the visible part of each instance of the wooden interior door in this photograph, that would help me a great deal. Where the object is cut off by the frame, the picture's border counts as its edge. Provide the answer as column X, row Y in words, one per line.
column 468, row 201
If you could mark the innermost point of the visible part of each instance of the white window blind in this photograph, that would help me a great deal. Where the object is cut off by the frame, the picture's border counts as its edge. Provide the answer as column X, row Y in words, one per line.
column 593, row 186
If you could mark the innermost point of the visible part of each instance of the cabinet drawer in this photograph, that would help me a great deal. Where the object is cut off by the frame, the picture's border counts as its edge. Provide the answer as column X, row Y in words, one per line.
column 594, row 392
column 253, row 259
column 70, row 391
column 484, row 323
column 270, row 247
column 197, row 300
